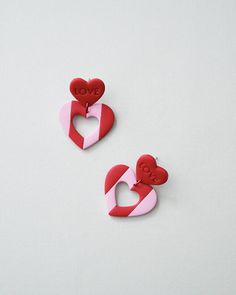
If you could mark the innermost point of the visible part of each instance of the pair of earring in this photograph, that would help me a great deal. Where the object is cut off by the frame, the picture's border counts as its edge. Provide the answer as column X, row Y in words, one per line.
column 147, row 171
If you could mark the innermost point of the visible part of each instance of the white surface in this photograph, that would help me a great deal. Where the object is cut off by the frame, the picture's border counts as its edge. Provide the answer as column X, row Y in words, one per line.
column 169, row 69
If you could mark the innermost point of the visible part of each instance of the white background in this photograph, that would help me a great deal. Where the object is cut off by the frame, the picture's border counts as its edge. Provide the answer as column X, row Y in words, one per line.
column 170, row 71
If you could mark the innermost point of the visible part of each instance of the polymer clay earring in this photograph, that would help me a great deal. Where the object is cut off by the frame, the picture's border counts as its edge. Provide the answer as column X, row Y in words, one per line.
column 86, row 95
column 147, row 173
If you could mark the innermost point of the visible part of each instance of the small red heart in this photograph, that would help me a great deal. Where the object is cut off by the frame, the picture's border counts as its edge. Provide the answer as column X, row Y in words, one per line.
column 148, row 172
column 87, row 93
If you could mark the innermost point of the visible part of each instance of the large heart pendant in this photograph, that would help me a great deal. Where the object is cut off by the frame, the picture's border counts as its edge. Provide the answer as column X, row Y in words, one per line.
column 147, row 195
column 101, row 112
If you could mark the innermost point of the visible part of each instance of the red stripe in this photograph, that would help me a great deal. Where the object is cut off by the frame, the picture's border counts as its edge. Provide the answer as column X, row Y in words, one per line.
column 122, row 211
column 76, row 109
column 142, row 189
column 107, row 120
column 114, row 175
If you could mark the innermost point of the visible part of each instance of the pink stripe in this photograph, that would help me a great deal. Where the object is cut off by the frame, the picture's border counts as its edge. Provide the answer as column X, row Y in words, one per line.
column 93, row 111
column 146, row 205
column 129, row 178
column 64, row 116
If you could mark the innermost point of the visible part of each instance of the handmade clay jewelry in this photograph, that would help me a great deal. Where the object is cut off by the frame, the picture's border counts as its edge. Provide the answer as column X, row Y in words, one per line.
column 147, row 173
column 86, row 95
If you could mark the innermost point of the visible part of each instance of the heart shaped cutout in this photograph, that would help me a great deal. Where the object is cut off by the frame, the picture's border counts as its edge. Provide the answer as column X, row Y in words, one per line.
column 149, row 172
column 124, row 196
column 87, row 92
column 101, row 112
column 85, row 126
column 147, row 195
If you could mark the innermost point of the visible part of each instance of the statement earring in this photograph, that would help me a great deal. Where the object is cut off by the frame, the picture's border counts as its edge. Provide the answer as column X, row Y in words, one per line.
column 147, row 173
column 86, row 95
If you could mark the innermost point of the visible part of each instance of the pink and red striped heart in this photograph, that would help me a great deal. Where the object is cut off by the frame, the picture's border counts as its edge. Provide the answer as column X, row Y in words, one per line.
column 147, row 195
column 147, row 173
column 102, row 112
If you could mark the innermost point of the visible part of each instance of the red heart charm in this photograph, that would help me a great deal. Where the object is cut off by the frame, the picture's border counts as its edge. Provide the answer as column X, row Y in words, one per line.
column 87, row 93
column 147, row 195
column 148, row 172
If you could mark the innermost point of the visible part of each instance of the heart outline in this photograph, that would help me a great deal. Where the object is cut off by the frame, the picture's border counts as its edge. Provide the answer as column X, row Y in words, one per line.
column 147, row 195
column 101, row 112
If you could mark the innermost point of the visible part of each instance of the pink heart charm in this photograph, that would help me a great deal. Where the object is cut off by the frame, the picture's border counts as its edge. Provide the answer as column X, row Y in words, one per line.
column 102, row 112
column 147, row 195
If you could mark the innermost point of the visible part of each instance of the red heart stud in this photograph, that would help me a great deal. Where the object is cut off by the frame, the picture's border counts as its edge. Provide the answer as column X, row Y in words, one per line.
column 148, row 172
column 87, row 93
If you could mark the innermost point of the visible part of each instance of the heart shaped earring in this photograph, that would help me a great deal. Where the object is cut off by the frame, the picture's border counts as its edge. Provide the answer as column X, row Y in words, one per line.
column 147, row 173
column 86, row 94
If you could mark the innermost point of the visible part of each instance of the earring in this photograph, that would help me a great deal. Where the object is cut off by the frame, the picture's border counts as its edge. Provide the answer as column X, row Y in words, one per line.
column 147, row 173
column 86, row 95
